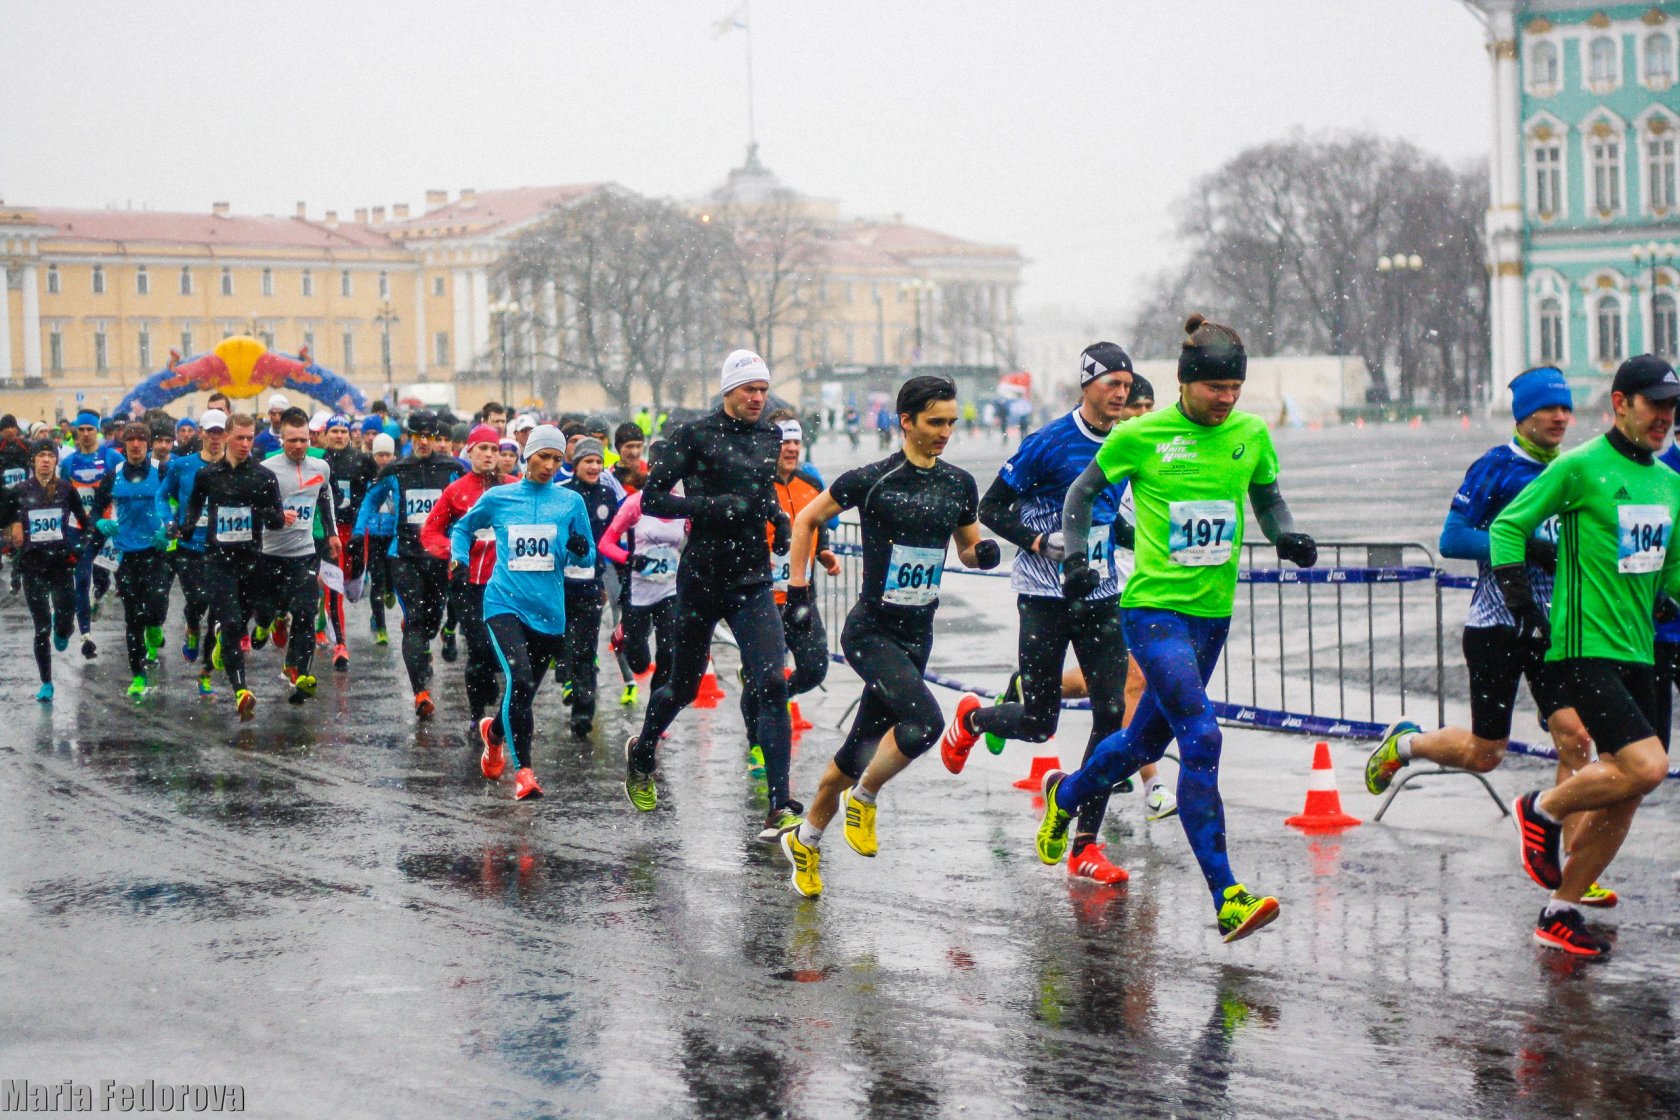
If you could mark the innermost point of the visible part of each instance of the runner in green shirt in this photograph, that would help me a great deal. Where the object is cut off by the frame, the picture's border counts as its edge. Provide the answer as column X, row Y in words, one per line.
column 1189, row 467
column 1616, row 508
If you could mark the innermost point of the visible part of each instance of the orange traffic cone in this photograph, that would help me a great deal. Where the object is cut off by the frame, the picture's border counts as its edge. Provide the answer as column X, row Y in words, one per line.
column 1323, row 811
column 1465, row 421
column 710, row 693
column 800, row 723
column 1041, row 765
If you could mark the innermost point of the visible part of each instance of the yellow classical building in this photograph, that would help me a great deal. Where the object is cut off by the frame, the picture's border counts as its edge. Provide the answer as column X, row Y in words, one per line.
column 406, row 304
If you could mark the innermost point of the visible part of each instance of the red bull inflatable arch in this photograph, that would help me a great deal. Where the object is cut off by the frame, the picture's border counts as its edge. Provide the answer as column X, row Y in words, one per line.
column 242, row 367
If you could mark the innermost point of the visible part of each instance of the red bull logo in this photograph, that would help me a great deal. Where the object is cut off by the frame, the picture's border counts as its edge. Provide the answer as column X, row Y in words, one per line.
column 240, row 366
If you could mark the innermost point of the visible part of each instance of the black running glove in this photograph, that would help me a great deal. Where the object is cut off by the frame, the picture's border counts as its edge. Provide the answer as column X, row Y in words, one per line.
column 458, row 575
column 1079, row 579
column 1667, row 610
column 577, row 544
column 782, row 539
column 720, row 507
column 640, row 563
column 987, row 555
column 1542, row 553
column 800, row 609
column 1298, row 548
column 1532, row 623
column 1050, row 547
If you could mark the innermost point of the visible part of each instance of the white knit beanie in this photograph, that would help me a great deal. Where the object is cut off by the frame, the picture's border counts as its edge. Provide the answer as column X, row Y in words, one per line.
column 743, row 366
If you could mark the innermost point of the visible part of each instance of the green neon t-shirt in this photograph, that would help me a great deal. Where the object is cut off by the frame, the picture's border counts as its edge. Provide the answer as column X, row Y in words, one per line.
column 1615, row 521
column 1188, row 484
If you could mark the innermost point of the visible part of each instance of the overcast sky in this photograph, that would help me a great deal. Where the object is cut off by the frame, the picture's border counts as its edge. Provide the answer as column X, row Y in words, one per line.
column 1068, row 129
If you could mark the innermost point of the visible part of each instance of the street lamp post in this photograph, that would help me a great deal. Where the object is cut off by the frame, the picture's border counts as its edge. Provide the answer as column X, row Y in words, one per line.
column 1403, row 266
column 1649, row 258
column 501, row 309
column 386, row 318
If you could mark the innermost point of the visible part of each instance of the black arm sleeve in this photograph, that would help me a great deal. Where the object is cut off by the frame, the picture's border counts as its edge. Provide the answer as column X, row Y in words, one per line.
column 1270, row 510
column 674, row 460
column 1076, row 508
column 1000, row 511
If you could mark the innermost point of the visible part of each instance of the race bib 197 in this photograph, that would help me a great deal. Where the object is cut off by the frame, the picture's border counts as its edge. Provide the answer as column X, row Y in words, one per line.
column 233, row 524
column 417, row 505
column 531, row 548
column 660, row 564
column 1202, row 534
column 1641, row 538
column 913, row 576
column 46, row 525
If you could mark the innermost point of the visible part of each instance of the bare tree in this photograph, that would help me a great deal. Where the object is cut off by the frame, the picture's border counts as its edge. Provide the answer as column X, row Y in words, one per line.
column 640, row 280
column 767, row 276
column 1283, row 244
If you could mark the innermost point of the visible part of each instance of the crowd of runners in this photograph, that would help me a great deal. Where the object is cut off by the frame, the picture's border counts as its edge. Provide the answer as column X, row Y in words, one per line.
column 518, row 541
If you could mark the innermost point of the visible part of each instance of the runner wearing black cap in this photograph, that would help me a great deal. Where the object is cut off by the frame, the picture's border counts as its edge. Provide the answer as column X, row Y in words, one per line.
column 40, row 506
column 1616, row 508
column 413, row 485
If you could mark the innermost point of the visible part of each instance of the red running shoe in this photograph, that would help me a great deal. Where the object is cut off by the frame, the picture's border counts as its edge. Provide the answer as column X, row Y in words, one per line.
column 959, row 739
column 423, row 706
column 1567, row 930
column 616, row 642
column 494, row 759
column 341, row 658
column 281, row 630
column 1090, row 863
column 1540, row 840
column 525, row 784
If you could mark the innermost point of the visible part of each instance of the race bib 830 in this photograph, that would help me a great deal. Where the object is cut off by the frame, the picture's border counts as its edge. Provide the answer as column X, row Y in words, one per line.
column 531, row 548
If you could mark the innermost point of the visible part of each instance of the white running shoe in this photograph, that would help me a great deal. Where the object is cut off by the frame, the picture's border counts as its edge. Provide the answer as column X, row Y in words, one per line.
column 1159, row 803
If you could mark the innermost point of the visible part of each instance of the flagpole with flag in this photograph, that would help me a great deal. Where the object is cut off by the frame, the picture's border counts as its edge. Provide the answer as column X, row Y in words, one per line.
column 740, row 20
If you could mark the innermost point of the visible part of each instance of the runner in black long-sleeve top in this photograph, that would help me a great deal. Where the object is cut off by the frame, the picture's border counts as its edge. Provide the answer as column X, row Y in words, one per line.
column 726, row 463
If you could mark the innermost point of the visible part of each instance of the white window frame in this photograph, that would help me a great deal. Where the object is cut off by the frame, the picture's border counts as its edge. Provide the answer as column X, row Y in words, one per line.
column 55, row 349
column 186, row 341
column 348, row 342
column 1545, row 284
column 1615, row 131
column 1536, row 86
column 1673, row 350
column 142, row 281
column 345, row 287
column 186, row 280
column 227, row 280
column 437, row 286
column 1645, row 40
column 1595, row 297
column 308, row 282
column 1614, row 80
column 440, row 342
column 98, row 280
column 384, row 284
column 101, row 349
column 144, row 350
column 1557, row 139
column 54, row 284
column 267, row 281
column 1650, row 169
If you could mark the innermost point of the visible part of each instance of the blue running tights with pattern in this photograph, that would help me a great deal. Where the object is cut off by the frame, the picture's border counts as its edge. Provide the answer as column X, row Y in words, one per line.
column 1177, row 653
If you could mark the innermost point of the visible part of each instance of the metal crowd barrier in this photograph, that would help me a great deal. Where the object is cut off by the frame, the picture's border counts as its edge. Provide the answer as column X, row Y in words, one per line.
column 1339, row 650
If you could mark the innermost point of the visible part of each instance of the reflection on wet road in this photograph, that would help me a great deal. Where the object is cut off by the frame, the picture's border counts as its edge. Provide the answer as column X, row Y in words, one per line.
column 333, row 910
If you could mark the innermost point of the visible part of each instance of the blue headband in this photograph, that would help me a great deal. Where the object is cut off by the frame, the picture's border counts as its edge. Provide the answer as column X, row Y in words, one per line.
column 1542, row 387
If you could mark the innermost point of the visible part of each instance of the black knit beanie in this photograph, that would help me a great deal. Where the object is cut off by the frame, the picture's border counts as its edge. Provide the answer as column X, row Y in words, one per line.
column 1212, row 352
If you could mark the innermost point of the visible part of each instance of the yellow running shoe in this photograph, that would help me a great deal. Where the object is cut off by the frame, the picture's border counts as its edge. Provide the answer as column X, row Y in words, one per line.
column 638, row 787
column 1052, row 842
column 860, row 824
column 1385, row 761
column 806, row 879
column 1600, row 897
column 1242, row 913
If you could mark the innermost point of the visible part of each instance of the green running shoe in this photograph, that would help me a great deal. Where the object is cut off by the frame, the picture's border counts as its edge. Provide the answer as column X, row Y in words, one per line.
column 216, row 653
column 628, row 696
column 1011, row 694
column 205, row 686
column 1242, row 913
column 381, row 638
column 782, row 820
column 259, row 637
column 137, row 688
column 1385, row 761
column 154, row 641
column 638, row 787
column 755, row 763
column 1052, row 842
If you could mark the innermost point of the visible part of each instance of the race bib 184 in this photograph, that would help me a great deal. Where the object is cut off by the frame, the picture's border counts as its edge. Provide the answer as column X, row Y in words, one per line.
column 1642, row 538
column 1202, row 534
column 531, row 548
column 913, row 576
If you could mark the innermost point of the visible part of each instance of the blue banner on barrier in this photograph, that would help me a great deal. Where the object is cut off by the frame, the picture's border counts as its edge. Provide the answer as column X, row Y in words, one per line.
column 1336, row 575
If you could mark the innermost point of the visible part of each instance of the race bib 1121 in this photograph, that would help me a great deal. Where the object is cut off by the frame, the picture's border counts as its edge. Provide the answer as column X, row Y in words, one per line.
column 233, row 524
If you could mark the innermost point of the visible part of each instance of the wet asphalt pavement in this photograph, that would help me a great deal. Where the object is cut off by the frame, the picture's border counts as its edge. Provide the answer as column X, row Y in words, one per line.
column 330, row 907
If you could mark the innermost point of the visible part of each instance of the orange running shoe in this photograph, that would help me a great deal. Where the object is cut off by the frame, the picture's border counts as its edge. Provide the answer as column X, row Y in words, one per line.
column 246, row 701
column 959, row 738
column 423, row 706
column 1090, row 863
column 525, row 784
column 494, row 759
column 341, row 658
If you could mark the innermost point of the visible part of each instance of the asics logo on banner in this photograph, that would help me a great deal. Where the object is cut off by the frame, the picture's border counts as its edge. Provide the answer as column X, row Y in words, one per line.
column 1238, row 453
column 1179, row 447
